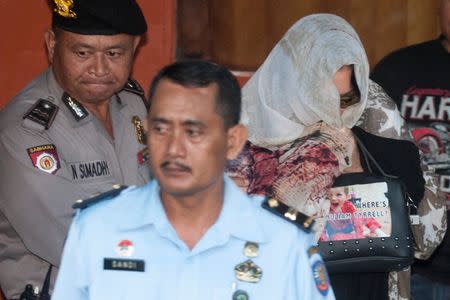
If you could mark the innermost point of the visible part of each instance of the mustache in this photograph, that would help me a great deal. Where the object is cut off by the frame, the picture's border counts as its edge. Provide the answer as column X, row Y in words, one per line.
column 104, row 80
column 176, row 164
column 98, row 82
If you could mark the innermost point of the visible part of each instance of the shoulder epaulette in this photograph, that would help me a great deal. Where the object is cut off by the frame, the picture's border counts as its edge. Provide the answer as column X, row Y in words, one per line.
column 42, row 112
column 81, row 204
column 134, row 87
column 290, row 214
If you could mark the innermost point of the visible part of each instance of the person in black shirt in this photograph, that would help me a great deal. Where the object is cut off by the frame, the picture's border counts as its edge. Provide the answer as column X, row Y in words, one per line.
column 418, row 79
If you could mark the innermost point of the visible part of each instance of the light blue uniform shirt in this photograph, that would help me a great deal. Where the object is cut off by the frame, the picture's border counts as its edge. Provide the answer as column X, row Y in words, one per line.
column 134, row 227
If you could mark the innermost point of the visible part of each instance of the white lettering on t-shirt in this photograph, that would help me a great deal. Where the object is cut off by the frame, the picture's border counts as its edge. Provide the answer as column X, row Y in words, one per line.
column 444, row 109
column 415, row 107
column 427, row 109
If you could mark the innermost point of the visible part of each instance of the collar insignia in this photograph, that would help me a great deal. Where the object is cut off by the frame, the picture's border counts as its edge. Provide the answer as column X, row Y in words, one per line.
column 75, row 107
column 139, row 130
column 134, row 87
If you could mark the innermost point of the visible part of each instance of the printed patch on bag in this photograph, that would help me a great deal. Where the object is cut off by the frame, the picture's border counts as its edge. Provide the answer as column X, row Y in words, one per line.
column 321, row 277
column 45, row 158
column 358, row 211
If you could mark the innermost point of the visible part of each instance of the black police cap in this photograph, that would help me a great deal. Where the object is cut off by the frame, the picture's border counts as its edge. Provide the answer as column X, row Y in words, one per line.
column 99, row 17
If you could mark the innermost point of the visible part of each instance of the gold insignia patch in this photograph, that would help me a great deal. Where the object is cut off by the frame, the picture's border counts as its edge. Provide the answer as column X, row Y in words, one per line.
column 64, row 8
column 139, row 130
column 248, row 271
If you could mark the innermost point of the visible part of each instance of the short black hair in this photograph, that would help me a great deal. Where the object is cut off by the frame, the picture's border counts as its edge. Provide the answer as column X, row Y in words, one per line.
column 200, row 73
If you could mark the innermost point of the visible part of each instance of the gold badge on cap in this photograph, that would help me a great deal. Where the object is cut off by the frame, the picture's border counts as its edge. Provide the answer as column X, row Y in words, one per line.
column 139, row 130
column 248, row 271
column 64, row 8
column 251, row 249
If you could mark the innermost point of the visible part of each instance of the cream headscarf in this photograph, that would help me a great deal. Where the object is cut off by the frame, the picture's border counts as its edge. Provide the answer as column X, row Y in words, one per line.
column 294, row 86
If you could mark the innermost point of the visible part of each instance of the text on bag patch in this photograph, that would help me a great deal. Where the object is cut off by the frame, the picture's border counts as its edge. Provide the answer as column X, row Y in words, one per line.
column 358, row 211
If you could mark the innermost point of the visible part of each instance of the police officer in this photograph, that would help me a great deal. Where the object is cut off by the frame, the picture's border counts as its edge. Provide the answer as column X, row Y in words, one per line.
column 190, row 233
column 74, row 131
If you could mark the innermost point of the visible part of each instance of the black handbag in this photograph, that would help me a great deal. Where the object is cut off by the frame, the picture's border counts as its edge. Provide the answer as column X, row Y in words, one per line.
column 368, row 228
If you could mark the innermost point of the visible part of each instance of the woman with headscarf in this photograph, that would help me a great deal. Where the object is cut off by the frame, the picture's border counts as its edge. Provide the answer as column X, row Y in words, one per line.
column 299, row 108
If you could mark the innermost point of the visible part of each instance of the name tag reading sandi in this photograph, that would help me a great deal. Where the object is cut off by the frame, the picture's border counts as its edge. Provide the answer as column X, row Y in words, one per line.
column 136, row 265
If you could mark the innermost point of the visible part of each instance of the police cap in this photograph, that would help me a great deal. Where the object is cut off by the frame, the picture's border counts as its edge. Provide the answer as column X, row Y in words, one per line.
column 99, row 17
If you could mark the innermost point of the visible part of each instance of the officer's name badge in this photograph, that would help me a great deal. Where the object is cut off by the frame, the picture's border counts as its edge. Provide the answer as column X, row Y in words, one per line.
column 90, row 169
column 115, row 264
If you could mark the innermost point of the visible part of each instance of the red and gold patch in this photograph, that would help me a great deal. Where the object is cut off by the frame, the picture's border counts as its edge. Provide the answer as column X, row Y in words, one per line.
column 125, row 248
column 321, row 277
column 143, row 156
column 45, row 158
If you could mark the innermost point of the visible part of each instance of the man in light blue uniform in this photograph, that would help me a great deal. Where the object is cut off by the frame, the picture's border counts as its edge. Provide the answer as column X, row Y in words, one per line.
column 190, row 233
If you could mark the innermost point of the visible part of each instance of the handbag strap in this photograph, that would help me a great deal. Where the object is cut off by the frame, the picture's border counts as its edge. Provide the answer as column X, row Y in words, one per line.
column 369, row 158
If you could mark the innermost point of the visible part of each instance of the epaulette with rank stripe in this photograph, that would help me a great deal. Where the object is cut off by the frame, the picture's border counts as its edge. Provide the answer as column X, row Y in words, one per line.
column 290, row 214
column 76, row 108
column 42, row 112
column 81, row 204
column 134, row 87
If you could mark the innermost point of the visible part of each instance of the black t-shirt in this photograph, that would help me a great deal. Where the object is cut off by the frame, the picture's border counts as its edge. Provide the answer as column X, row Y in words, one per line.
column 418, row 79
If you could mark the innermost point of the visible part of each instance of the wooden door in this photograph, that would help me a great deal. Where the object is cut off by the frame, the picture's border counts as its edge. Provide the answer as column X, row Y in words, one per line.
column 241, row 33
